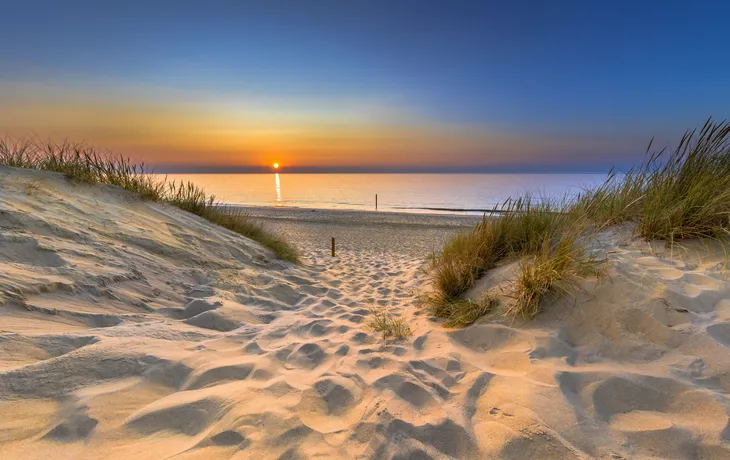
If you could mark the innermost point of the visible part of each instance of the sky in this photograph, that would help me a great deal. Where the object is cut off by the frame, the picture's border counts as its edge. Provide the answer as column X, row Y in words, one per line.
column 396, row 85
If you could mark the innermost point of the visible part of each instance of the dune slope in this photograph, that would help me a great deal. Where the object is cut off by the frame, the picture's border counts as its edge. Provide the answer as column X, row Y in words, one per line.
column 133, row 329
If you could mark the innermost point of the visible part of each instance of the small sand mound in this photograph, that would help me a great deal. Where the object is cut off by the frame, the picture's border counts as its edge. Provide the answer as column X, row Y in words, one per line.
column 306, row 356
column 77, row 427
column 228, row 438
column 406, row 389
column 339, row 394
column 219, row 374
column 185, row 413
column 483, row 337
column 213, row 320
column 332, row 404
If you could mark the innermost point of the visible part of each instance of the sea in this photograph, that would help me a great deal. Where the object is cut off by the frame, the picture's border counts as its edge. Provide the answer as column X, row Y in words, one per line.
column 417, row 193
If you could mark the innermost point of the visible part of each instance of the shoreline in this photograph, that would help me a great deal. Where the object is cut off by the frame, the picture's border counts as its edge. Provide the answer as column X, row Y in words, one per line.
column 359, row 216
column 408, row 234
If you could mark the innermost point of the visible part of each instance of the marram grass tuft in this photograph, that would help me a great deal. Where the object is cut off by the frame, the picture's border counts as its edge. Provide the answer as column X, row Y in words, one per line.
column 83, row 164
column 672, row 195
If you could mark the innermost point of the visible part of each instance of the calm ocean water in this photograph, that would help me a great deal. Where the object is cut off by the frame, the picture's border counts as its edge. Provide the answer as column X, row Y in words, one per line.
column 425, row 193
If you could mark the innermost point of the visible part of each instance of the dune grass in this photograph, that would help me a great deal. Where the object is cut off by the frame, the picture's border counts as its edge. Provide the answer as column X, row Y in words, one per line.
column 382, row 322
column 81, row 163
column 549, row 238
column 555, row 270
column 672, row 195
column 462, row 312
column 523, row 224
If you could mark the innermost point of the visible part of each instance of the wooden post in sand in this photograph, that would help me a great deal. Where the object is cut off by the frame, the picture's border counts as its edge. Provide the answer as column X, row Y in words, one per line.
column 333, row 246
column 376, row 201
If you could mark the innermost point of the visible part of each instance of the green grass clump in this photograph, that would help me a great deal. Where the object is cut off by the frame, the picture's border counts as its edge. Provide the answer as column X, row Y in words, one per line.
column 83, row 164
column 673, row 195
column 382, row 322
column 688, row 195
column 239, row 222
column 521, row 226
column 463, row 312
column 555, row 270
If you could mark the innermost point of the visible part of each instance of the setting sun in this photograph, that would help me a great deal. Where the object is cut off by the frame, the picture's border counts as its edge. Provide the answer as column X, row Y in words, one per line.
column 276, row 165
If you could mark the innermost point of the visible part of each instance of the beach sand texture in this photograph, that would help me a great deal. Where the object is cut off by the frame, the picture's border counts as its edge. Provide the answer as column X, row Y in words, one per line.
column 131, row 329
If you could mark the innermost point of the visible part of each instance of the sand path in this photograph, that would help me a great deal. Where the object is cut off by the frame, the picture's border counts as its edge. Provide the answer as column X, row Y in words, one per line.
column 130, row 329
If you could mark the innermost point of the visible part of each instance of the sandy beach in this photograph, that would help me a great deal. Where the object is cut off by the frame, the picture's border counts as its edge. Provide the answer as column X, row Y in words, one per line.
column 131, row 329
column 406, row 234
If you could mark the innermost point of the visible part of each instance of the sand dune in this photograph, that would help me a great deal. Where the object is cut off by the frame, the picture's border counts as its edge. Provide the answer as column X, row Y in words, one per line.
column 135, row 330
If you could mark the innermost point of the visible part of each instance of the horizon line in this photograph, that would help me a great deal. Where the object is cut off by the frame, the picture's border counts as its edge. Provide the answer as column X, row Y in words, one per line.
column 506, row 169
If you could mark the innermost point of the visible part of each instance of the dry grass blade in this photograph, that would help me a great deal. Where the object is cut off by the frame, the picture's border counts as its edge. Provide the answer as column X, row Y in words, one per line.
column 382, row 322
column 554, row 271
column 463, row 312
column 673, row 195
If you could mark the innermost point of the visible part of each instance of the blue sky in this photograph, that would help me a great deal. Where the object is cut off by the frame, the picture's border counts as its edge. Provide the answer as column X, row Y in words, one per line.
column 333, row 84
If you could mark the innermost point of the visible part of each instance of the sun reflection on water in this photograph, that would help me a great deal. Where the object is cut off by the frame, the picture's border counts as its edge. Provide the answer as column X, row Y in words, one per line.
column 278, row 191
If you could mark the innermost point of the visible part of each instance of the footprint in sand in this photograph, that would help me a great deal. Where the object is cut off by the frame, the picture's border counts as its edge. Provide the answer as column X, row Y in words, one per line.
column 306, row 356
column 406, row 389
column 214, row 321
column 218, row 374
column 720, row 332
column 327, row 406
column 187, row 413
column 693, row 285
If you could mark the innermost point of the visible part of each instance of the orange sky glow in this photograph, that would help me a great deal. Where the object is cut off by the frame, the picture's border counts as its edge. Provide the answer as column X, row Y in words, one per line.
column 167, row 128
